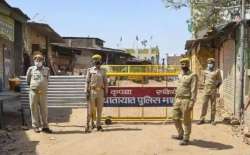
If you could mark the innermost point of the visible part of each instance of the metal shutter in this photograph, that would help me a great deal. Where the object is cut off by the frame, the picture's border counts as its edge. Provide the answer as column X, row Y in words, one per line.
column 227, row 57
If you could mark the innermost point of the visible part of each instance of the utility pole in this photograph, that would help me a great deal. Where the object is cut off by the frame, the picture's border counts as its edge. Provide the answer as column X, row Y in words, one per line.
column 240, row 107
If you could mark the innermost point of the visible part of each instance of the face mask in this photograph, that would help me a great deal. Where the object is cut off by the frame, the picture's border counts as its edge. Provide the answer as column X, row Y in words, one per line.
column 38, row 64
column 185, row 69
column 97, row 63
column 210, row 66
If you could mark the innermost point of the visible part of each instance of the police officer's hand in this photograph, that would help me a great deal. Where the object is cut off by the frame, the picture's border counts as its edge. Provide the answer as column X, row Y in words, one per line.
column 217, row 94
column 191, row 105
column 88, row 96
column 218, row 85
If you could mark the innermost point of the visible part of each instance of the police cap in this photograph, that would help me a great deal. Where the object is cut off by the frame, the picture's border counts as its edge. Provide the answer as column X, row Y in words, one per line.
column 97, row 57
column 184, row 60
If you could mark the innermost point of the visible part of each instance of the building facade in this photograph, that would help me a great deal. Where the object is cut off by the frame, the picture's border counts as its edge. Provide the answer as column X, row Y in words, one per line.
column 12, row 24
column 83, row 48
column 223, row 45
column 149, row 54
column 38, row 37
column 173, row 60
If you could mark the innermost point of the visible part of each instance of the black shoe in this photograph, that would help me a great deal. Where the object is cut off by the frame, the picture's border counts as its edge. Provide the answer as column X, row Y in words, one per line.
column 213, row 122
column 184, row 142
column 46, row 130
column 201, row 122
column 177, row 137
column 93, row 126
column 87, row 130
column 36, row 130
column 99, row 128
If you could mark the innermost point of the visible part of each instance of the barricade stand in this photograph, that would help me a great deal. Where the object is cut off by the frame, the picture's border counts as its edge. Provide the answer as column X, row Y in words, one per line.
column 140, row 72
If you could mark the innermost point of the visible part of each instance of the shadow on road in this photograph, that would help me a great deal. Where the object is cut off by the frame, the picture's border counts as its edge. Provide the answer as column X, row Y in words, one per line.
column 121, row 129
column 59, row 115
column 143, row 123
column 104, row 130
column 13, row 139
column 210, row 145
column 68, row 132
column 63, row 126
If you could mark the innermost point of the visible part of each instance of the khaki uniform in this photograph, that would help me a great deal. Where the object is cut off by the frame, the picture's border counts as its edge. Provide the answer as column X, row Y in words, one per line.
column 185, row 94
column 96, row 86
column 37, row 79
column 212, row 79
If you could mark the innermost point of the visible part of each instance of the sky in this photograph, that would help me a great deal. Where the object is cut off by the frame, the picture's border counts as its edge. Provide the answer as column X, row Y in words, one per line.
column 112, row 20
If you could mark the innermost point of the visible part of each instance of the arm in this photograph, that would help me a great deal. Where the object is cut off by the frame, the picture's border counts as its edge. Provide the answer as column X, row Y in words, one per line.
column 248, row 104
column 219, row 79
column 87, row 87
column 48, row 74
column 203, row 77
column 105, row 82
column 28, row 75
column 194, row 88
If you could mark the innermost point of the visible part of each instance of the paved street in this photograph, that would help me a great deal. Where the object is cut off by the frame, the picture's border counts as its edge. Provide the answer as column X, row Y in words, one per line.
column 123, row 139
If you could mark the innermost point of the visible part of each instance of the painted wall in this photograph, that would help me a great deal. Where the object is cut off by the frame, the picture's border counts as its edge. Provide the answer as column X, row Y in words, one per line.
column 199, row 56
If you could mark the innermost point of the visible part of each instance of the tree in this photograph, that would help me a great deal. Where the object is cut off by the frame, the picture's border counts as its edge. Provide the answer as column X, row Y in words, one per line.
column 206, row 13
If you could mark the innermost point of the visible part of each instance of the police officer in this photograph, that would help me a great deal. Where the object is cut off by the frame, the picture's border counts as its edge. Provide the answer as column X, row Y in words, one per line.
column 37, row 79
column 96, row 90
column 212, row 80
column 185, row 98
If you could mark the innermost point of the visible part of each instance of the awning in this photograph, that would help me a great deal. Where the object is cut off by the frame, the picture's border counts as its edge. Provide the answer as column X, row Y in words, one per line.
column 95, row 49
column 191, row 43
column 63, row 49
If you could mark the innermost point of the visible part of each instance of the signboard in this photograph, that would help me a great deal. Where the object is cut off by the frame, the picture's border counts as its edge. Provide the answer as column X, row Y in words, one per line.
column 7, row 27
column 140, row 97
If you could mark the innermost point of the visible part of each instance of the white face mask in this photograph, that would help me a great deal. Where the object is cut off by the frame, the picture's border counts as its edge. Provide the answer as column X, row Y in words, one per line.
column 38, row 64
column 210, row 66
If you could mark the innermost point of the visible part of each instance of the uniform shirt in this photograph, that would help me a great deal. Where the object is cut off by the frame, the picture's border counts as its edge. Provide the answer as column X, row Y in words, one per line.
column 187, row 85
column 38, row 78
column 211, row 80
column 96, row 78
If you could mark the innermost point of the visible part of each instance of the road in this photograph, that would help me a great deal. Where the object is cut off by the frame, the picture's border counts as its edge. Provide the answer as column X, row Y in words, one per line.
column 123, row 139
column 151, row 138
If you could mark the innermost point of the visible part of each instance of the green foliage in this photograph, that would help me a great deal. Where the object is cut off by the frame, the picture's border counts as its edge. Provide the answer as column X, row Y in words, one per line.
column 177, row 4
column 206, row 13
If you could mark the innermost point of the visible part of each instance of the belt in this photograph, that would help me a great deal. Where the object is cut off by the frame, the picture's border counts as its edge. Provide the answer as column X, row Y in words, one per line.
column 210, row 86
column 38, row 91
column 96, row 88
column 183, row 97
